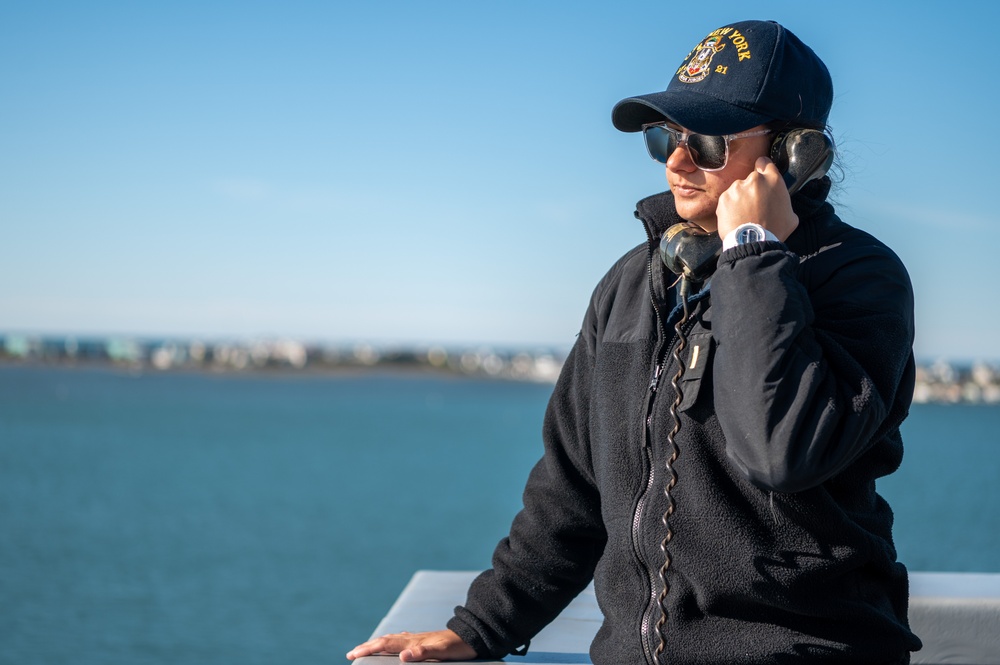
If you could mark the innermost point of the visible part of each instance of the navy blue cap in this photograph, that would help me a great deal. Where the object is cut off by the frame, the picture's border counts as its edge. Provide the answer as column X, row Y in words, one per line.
column 740, row 76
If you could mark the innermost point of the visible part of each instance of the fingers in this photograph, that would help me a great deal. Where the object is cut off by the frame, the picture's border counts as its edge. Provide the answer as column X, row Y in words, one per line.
column 759, row 182
column 386, row 644
column 369, row 648
column 416, row 647
column 761, row 197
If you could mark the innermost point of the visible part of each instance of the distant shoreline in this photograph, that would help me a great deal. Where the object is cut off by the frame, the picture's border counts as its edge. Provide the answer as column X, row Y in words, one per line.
column 940, row 382
column 387, row 369
column 281, row 359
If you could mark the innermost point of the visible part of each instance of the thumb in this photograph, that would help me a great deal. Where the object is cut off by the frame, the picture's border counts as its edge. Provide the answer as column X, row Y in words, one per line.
column 417, row 654
column 762, row 164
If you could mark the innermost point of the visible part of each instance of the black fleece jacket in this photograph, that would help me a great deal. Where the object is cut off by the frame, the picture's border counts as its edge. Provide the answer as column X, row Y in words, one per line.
column 798, row 372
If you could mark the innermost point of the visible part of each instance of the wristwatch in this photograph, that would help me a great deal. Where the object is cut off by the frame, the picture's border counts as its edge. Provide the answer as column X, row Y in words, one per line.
column 747, row 233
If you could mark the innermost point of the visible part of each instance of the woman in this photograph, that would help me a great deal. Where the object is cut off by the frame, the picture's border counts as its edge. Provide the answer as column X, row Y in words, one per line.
column 711, row 465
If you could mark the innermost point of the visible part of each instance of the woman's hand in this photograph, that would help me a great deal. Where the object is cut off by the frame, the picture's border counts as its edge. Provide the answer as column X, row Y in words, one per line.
column 416, row 647
column 761, row 198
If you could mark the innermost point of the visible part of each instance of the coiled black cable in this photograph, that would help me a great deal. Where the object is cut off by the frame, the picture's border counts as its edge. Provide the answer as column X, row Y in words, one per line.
column 671, row 472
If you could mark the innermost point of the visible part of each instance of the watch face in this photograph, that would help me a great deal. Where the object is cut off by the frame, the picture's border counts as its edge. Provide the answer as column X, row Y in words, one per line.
column 749, row 233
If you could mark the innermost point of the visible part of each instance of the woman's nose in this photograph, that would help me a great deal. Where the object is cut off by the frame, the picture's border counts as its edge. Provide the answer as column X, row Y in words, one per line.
column 680, row 159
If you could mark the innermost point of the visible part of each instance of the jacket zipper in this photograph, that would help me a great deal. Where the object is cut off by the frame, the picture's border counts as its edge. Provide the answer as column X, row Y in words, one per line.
column 651, row 604
column 665, row 346
column 647, row 615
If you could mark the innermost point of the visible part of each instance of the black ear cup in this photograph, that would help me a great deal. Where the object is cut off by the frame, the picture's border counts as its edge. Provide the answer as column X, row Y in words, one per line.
column 779, row 155
column 688, row 250
column 802, row 155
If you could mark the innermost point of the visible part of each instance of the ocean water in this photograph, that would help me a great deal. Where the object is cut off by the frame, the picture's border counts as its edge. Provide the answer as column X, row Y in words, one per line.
column 219, row 519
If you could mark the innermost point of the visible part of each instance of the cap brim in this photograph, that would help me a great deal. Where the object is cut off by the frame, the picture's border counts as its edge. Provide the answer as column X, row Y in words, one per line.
column 697, row 112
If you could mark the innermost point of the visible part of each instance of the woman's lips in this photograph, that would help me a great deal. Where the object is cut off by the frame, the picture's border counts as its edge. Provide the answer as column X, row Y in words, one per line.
column 681, row 189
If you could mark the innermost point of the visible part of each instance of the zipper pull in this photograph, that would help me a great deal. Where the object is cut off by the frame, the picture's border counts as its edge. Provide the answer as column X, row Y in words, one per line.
column 655, row 381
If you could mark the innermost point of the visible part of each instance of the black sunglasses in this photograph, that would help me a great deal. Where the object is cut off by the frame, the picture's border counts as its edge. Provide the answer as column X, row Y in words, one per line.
column 708, row 153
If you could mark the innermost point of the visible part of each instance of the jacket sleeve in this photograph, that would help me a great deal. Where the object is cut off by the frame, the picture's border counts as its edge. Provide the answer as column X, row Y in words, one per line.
column 807, row 378
column 554, row 541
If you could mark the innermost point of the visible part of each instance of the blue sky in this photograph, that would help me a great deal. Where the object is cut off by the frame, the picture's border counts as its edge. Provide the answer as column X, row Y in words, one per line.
column 437, row 172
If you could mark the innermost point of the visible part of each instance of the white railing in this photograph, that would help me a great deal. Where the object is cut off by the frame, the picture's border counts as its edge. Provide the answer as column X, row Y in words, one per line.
column 957, row 615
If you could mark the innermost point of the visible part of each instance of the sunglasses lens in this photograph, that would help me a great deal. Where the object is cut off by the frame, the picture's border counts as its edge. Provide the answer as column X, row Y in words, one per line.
column 707, row 152
column 660, row 142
